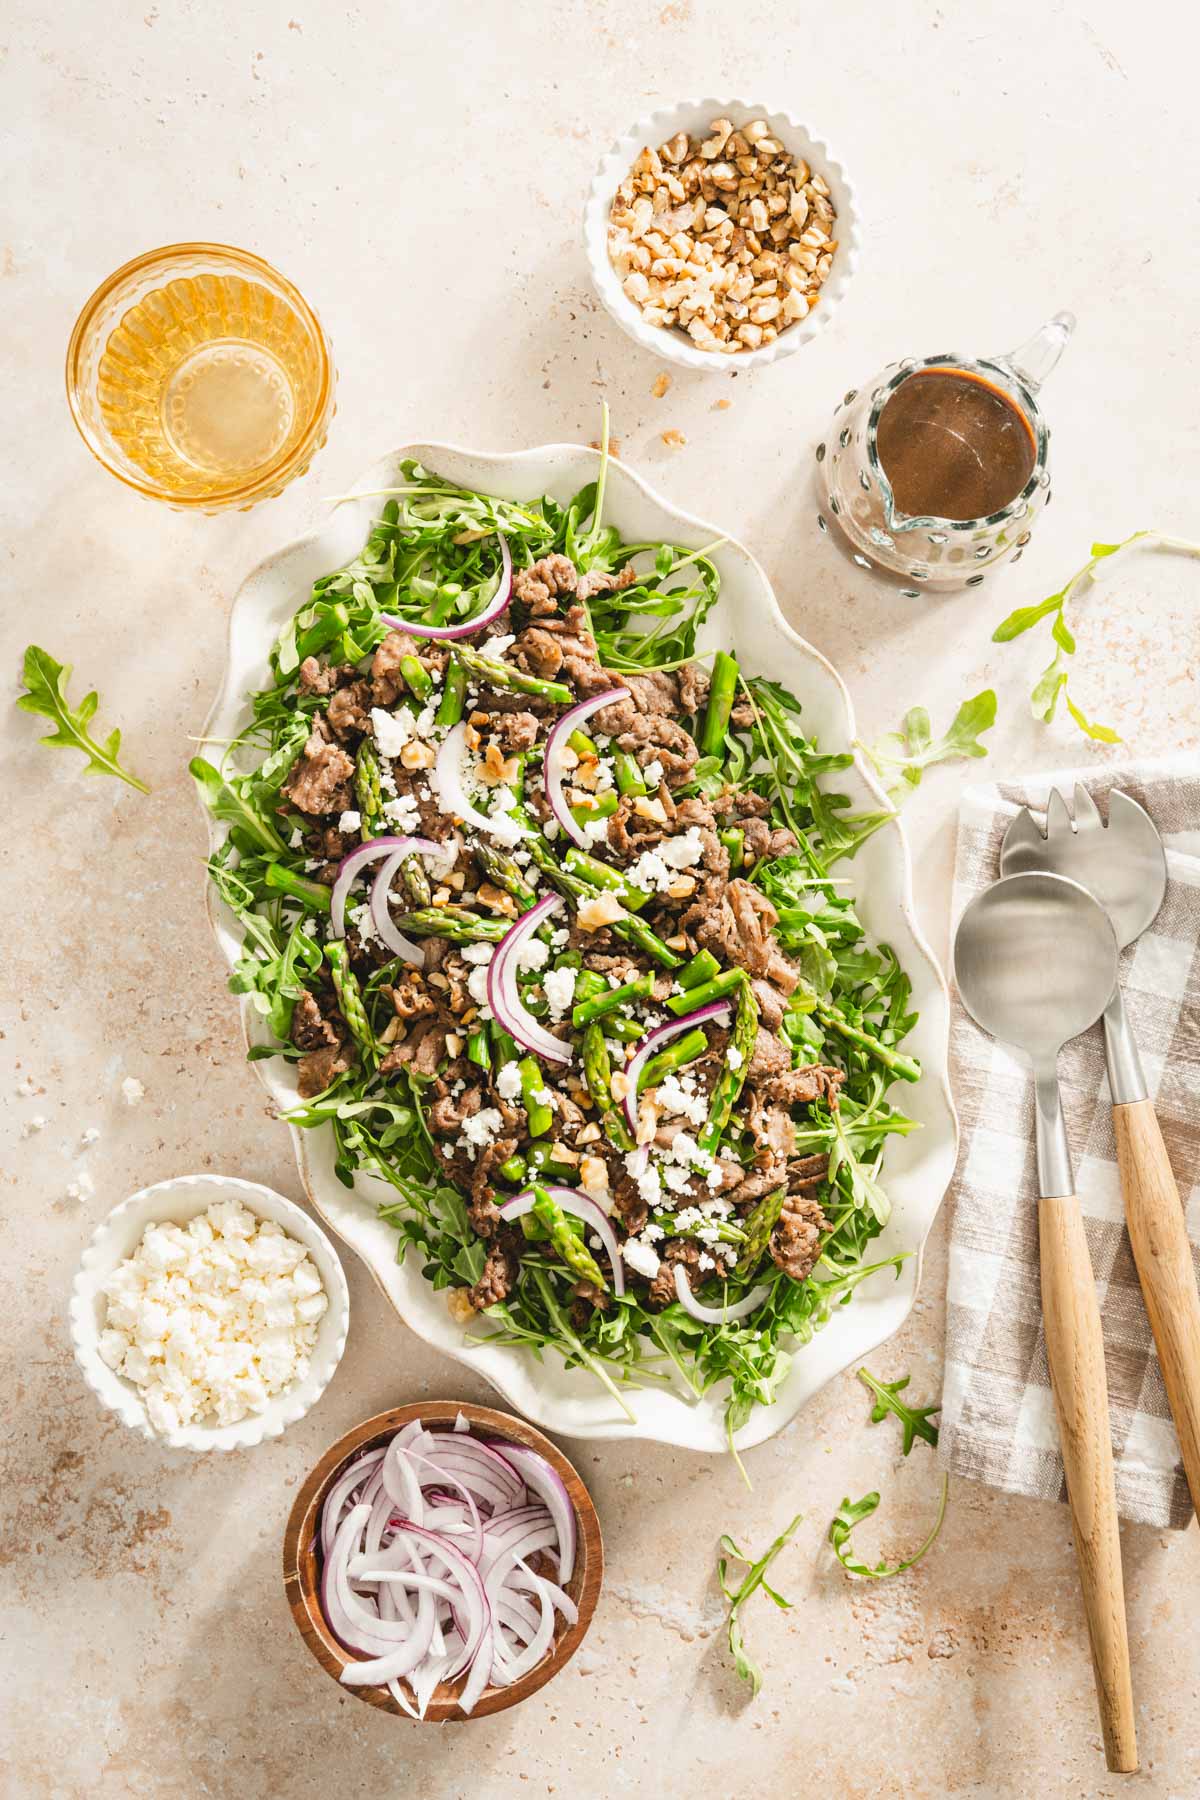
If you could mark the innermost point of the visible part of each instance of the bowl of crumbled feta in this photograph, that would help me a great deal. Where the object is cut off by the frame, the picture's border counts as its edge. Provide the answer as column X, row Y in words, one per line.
column 209, row 1313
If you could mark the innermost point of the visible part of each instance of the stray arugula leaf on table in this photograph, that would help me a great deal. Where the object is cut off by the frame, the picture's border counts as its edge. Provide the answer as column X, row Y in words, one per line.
column 901, row 757
column 755, row 1577
column 851, row 1513
column 914, row 1419
column 45, row 681
column 1051, row 685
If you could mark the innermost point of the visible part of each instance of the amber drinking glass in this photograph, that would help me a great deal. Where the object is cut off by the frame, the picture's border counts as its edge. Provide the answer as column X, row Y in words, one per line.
column 199, row 375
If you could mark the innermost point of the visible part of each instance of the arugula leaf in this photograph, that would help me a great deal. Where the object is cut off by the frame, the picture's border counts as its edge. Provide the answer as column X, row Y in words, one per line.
column 914, row 1419
column 902, row 756
column 1052, row 682
column 229, row 798
column 45, row 681
column 852, row 1513
column 743, row 1662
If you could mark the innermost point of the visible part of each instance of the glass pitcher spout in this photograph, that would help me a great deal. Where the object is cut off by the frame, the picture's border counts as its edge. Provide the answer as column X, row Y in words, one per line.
column 1038, row 356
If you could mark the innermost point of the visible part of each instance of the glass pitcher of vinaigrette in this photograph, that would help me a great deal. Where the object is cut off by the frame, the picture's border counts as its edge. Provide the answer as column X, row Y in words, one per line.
column 935, row 471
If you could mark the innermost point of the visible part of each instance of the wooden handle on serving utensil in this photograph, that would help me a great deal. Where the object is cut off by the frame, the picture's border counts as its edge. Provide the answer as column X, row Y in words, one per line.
column 1163, row 1254
column 1075, row 1352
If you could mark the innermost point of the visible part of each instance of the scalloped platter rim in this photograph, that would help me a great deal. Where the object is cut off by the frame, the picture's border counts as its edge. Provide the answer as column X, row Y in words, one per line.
column 917, row 1168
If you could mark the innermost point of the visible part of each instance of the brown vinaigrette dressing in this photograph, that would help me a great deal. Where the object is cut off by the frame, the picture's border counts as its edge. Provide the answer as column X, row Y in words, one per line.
column 953, row 446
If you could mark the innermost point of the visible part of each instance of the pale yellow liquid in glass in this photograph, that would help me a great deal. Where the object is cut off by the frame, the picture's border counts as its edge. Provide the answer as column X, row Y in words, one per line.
column 207, row 382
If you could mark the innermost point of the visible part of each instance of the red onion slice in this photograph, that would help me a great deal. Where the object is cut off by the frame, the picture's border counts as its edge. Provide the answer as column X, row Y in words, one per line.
column 493, row 609
column 553, row 763
column 549, row 1486
column 716, row 1315
column 654, row 1040
column 504, row 996
column 359, row 857
column 452, row 795
column 582, row 1207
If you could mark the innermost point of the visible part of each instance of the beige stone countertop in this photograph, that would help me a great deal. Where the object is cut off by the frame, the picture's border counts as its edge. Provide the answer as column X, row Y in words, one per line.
column 419, row 172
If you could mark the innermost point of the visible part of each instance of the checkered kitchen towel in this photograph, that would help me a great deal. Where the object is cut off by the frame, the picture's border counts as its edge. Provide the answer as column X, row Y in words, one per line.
column 998, row 1422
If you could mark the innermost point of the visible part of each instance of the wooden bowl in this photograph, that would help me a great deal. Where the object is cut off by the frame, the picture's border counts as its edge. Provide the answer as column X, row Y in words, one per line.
column 301, row 1568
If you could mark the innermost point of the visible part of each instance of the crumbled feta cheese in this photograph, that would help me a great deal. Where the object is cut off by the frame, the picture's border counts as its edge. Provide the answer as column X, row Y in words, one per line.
column 481, row 1128
column 560, row 939
column 132, row 1091
column 733, row 1057
column 684, row 851
column 559, row 988
column 595, row 832
column 350, row 821
column 678, row 1180
column 533, row 954
column 391, row 730
column 650, row 1234
column 296, row 839
column 674, row 1098
column 648, row 1179
column 652, row 774
column 641, row 1258
column 508, row 1081
column 477, row 984
column 403, row 812
column 705, row 1261
column 496, row 646
column 477, row 953
column 212, row 1318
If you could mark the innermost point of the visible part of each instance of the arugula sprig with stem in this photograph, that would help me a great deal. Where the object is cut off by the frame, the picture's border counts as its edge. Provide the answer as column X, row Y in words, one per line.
column 1051, row 685
column 914, row 1420
column 755, row 1577
column 851, row 1513
column 901, row 757
column 45, row 682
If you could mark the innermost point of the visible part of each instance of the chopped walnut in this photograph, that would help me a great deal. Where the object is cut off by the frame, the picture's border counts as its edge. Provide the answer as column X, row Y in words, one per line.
column 726, row 239
column 674, row 440
column 598, row 911
column 661, row 384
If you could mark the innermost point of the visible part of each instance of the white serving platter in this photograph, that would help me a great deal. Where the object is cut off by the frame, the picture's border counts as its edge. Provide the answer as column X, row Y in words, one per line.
column 916, row 1168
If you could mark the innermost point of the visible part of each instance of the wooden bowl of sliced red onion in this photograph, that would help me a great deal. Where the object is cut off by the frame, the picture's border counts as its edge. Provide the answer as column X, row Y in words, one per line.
column 443, row 1561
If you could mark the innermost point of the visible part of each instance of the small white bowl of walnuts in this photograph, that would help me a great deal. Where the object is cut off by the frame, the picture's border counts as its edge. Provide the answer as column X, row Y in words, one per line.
column 721, row 232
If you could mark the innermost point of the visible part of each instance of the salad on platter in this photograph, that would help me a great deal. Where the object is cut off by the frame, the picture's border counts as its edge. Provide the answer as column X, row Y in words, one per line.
column 553, row 914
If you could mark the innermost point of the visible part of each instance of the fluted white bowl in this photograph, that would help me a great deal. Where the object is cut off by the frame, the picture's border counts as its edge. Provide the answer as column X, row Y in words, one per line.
column 695, row 117
column 174, row 1203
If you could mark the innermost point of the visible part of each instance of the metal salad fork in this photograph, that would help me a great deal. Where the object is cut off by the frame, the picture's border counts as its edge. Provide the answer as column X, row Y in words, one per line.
column 1124, row 865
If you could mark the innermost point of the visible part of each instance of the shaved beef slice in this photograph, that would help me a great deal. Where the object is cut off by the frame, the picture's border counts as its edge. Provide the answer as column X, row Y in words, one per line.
column 320, row 781
column 796, row 1240
column 799, row 1087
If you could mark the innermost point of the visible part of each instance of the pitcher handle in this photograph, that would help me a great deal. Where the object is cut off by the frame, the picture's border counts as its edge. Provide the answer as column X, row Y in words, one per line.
column 1037, row 357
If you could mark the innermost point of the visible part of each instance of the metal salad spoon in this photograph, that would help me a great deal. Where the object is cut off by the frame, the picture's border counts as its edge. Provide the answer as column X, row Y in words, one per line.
column 1035, row 958
column 1124, row 865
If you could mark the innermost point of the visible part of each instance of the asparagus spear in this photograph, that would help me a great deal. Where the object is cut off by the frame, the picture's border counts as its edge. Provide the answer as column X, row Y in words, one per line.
column 454, row 694
column 281, row 880
column 416, row 880
column 703, row 967
column 533, row 1083
column 604, row 875
column 720, row 704
column 629, row 774
column 677, row 1055
column 597, row 1072
column 367, row 789
column 504, row 675
column 642, row 988
column 459, row 926
column 729, row 1082
column 349, row 995
column 758, row 1225
column 505, row 873
column 570, row 1247
column 906, row 1067
column 719, row 988
column 417, row 678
